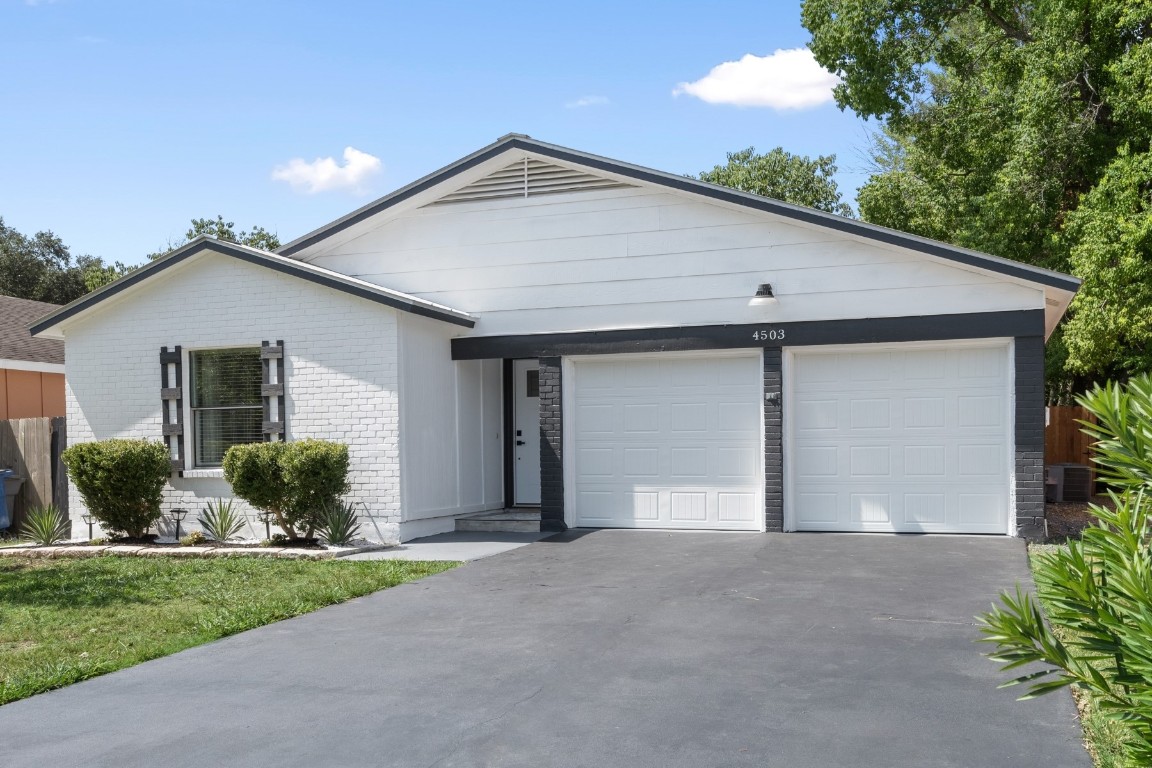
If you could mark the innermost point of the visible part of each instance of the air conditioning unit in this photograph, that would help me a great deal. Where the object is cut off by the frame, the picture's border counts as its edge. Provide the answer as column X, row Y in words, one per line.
column 1067, row 482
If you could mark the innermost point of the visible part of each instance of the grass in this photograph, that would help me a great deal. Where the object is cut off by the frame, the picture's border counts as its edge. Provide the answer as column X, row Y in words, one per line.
column 1104, row 738
column 62, row 621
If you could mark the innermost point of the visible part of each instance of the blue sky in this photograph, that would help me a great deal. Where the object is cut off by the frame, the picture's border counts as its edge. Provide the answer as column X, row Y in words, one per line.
column 123, row 120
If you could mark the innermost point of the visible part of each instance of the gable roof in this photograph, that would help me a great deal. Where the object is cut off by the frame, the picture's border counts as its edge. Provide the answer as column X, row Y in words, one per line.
column 516, row 141
column 293, row 267
column 16, row 343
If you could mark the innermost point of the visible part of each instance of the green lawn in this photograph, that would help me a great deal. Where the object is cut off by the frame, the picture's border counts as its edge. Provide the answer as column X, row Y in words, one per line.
column 1104, row 738
column 62, row 621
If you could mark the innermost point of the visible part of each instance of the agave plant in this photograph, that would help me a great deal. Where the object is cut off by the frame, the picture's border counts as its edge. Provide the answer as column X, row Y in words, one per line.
column 45, row 525
column 337, row 523
column 220, row 520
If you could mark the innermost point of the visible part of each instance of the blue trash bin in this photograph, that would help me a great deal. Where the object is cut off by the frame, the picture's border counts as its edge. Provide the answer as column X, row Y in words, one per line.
column 9, row 501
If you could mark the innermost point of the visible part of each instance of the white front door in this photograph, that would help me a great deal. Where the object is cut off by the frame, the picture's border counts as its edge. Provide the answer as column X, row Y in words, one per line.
column 668, row 441
column 908, row 438
column 526, row 431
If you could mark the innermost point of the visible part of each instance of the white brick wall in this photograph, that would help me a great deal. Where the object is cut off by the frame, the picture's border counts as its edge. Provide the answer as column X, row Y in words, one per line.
column 341, row 372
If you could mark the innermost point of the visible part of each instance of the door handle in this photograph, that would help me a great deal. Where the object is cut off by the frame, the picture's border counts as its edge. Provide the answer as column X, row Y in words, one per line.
column 519, row 442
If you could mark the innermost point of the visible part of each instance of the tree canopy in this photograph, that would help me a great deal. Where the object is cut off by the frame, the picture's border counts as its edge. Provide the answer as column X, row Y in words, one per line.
column 258, row 237
column 1020, row 129
column 42, row 268
column 781, row 175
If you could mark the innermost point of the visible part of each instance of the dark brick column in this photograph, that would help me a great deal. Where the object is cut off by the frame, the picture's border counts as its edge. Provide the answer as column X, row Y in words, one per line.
column 773, row 440
column 551, row 446
column 1030, row 437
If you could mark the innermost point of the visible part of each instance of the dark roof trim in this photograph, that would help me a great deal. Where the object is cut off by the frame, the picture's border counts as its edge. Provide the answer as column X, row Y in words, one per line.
column 802, row 333
column 312, row 274
column 694, row 186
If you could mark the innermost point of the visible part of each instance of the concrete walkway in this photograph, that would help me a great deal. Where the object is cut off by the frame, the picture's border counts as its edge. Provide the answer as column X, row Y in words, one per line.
column 615, row 648
column 453, row 546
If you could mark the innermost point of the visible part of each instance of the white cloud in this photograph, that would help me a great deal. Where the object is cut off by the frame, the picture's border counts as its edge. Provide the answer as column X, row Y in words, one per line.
column 324, row 173
column 788, row 79
column 587, row 101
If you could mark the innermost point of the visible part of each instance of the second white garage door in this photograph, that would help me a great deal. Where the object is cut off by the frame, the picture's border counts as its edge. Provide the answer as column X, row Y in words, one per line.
column 668, row 441
column 904, row 438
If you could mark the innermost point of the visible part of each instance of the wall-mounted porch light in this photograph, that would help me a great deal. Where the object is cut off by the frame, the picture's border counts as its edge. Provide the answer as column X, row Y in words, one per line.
column 764, row 295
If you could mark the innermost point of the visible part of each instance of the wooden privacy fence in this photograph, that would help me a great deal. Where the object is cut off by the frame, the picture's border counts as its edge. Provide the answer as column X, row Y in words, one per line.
column 1064, row 442
column 32, row 448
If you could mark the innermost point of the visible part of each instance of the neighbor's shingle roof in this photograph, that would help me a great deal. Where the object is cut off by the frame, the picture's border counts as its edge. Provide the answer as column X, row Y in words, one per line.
column 16, row 343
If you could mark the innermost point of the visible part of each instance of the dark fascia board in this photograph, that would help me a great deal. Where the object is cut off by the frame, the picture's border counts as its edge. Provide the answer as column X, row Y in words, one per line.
column 976, row 325
column 693, row 186
column 280, row 264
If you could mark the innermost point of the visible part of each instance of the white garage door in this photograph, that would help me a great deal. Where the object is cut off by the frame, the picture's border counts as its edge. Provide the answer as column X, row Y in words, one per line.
column 668, row 442
column 900, row 439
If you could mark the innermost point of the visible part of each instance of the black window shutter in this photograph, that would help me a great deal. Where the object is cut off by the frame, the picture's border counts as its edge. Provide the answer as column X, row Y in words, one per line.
column 172, row 404
column 273, row 389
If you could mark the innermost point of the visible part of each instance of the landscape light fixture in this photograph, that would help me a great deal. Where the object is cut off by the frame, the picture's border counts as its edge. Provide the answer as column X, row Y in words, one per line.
column 177, row 515
column 764, row 294
column 88, row 519
column 267, row 518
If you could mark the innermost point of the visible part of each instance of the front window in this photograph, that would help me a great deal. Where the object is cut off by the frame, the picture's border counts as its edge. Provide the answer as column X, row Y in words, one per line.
column 227, row 408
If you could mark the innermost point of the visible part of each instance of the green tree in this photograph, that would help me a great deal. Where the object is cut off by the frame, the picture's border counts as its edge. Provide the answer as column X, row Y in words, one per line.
column 781, row 175
column 1000, row 120
column 42, row 268
column 258, row 237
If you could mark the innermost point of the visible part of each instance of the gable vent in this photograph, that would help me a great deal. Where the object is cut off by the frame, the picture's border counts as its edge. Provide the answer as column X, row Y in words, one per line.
column 528, row 178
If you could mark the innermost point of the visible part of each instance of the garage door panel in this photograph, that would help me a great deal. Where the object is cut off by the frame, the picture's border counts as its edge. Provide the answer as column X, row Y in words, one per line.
column 689, row 506
column 817, row 508
column 689, row 463
column 869, row 461
column 591, row 419
column 685, row 437
column 816, row 415
column 979, row 461
column 870, row 413
column 689, row 417
column 925, row 461
column 925, row 509
column 739, row 418
column 925, row 449
column 925, row 412
column 819, row 462
column 595, row 462
column 979, row 411
column 870, row 508
column 641, row 463
column 737, row 507
column 598, row 506
column 925, row 365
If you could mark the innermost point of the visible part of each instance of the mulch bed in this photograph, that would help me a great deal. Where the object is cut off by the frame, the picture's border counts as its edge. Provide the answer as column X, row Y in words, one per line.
column 1067, row 520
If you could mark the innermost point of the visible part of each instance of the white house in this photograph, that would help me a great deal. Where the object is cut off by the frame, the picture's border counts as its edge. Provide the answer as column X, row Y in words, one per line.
column 621, row 347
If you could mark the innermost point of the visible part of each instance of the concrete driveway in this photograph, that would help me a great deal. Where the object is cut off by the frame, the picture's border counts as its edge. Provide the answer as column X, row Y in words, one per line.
column 615, row 648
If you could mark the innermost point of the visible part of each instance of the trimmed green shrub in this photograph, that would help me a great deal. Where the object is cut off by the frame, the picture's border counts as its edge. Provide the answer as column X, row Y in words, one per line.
column 121, row 481
column 292, row 481
column 220, row 520
column 255, row 472
column 1099, row 589
column 45, row 525
column 316, row 475
column 338, row 523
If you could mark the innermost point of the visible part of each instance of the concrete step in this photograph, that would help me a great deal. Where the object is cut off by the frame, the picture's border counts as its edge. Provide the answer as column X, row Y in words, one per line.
column 497, row 526
column 501, row 521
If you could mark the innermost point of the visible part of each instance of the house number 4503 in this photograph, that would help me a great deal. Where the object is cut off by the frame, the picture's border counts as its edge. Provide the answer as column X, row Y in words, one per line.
column 775, row 334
